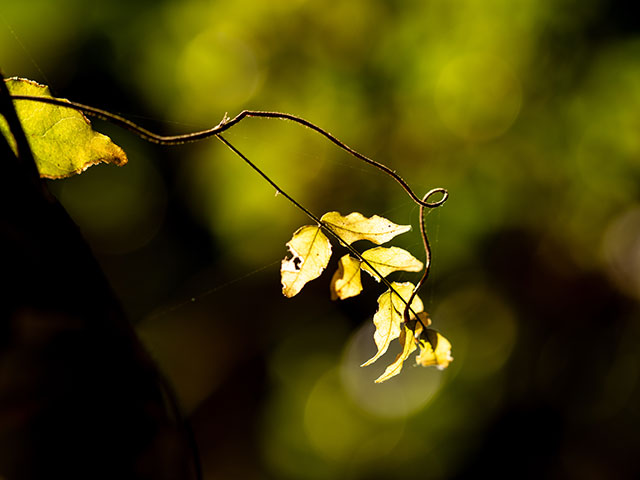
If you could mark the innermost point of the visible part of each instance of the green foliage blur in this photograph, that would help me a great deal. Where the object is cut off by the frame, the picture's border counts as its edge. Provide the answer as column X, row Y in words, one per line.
column 527, row 111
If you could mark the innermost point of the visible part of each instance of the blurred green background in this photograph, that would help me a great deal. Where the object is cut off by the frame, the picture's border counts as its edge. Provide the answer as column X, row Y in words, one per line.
column 527, row 111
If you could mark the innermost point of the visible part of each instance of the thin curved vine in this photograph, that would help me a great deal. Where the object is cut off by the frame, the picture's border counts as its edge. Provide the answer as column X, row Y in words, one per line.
column 227, row 123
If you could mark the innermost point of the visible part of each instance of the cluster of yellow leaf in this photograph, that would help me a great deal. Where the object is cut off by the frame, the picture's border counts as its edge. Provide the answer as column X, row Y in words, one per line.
column 310, row 253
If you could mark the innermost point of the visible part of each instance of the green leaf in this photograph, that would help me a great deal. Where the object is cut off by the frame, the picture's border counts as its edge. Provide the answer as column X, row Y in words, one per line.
column 311, row 251
column 356, row 226
column 388, row 319
column 62, row 140
column 346, row 281
column 387, row 260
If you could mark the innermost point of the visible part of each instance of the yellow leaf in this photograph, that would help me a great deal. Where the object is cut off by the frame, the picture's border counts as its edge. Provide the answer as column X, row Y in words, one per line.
column 408, row 342
column 440, row 357
column 61, row 139
column 346, row 281
column 424, row 318
column 356, row 226
column 388, row 260
column 388, row 319
column 311, row 251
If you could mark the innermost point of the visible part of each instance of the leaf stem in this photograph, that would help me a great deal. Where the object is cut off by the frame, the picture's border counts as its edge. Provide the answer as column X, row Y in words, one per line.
column 427, row 260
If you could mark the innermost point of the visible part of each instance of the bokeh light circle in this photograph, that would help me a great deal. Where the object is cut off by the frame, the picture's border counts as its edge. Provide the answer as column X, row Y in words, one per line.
column 478, row 97
column 398, row 397
column 119, row 209
column 621, row 248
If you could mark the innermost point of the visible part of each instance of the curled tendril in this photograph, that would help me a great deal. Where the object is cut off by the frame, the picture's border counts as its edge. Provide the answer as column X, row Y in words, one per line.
column 425, row 200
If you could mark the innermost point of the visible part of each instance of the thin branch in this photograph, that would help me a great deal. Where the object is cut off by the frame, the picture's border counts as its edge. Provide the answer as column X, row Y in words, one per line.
column 427, row 260
column 224, row 125
column 316, row 219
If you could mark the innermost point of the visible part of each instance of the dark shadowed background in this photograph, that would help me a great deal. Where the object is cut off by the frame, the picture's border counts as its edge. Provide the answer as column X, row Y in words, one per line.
column 527, row 111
